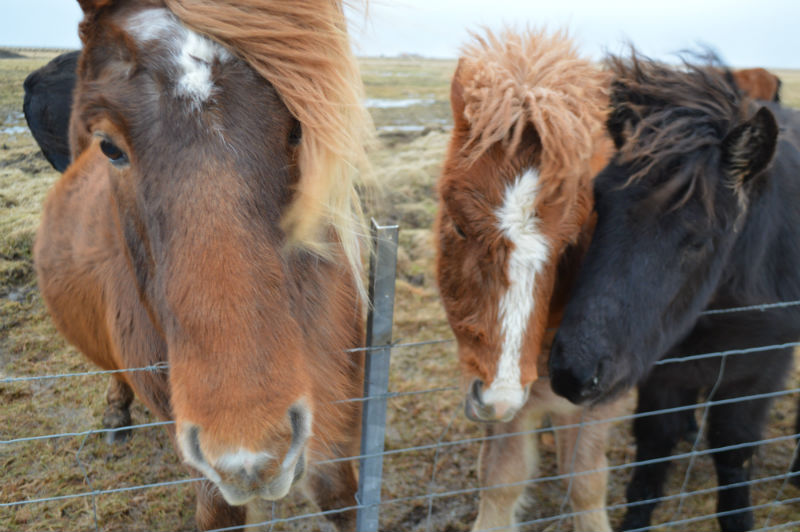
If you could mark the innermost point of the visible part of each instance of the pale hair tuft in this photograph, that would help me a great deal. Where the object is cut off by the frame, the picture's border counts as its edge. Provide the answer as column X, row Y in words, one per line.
column 534, row 78
column 303, row 50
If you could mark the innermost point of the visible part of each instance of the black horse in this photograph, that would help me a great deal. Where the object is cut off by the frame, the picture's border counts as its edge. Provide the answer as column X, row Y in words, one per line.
column 696, row 211
column 48, row 100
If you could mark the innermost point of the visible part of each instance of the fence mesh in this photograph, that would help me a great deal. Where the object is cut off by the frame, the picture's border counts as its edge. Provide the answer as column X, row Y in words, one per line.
column 430, row 471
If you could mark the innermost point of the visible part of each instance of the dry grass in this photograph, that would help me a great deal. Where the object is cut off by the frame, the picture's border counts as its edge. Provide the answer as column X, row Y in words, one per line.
column 790, row 88
column 409, row 163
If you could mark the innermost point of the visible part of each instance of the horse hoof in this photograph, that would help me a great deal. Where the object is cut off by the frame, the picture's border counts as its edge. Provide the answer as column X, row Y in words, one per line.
column 118, row 436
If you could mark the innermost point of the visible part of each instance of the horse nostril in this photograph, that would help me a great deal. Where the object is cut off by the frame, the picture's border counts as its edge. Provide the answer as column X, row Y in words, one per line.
column 193, row 447
column 579, row 381
column 475, row 391
column 300, row 418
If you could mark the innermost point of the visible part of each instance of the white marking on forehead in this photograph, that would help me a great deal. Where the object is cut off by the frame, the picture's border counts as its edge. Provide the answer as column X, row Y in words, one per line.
column 192, row 54
column 151, row 24
column 517, row 219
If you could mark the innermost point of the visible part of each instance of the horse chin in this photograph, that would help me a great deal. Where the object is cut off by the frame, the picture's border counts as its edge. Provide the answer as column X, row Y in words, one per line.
column 617, row 382
column 281, row 485
column 477, row 410
column 479, row 414
column 276, row 489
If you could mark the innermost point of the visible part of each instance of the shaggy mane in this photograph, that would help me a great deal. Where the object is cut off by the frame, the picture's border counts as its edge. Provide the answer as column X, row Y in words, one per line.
column 303, row 50
column 676, row 119
column 538, row 79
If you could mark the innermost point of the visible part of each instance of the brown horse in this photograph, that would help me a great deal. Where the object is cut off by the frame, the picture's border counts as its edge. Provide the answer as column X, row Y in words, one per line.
column 209, row 220
column 758, row 83
column 515, row 217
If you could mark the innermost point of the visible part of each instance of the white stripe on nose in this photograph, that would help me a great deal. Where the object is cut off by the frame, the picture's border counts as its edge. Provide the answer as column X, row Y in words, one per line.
column 243, row 459
column 517, row 219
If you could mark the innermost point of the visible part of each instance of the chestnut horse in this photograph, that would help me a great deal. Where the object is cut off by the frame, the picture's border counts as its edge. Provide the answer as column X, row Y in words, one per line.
column 209, row 220
column 515, row 216
column 758, row 83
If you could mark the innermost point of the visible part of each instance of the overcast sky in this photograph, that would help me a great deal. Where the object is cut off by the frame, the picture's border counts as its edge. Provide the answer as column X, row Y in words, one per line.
column 746, row 33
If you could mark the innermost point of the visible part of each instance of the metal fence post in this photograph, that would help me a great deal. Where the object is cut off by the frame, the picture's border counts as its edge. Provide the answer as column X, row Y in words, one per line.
column 382, row 271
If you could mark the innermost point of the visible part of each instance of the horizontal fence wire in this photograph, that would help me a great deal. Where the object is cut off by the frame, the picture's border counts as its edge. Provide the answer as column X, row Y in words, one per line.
column 616, row 419
column 481, row 439
column 162, row 366
column 95, row 493
column 607, row 469
column 430, row 496
column 87, row 432
column 671, row 360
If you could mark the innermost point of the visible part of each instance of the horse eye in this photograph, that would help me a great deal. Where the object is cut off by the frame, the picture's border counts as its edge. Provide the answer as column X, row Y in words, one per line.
column 114, row 154
column 460, row 232
column 698, row 245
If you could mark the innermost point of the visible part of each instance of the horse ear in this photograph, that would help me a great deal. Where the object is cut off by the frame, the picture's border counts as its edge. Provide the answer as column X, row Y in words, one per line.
column 457, row 103
column 620, row 123
column 749, row 148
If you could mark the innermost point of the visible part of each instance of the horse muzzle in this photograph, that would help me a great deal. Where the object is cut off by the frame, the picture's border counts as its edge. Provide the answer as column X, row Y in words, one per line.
column 498, row 408
column 582, row 377
column 243, row 475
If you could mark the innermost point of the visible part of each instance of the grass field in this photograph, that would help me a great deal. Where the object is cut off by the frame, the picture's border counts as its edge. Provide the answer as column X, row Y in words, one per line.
column 408, row 99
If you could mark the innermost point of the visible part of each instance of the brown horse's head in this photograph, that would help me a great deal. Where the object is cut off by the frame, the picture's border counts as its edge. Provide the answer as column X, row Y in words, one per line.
column 515, row 195
column 758, row 83
column 207, row 157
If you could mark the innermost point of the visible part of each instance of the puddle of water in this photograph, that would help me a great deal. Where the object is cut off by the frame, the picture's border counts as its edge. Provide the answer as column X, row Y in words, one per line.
column 404, row 129
column 385, row 103
column 14, row 130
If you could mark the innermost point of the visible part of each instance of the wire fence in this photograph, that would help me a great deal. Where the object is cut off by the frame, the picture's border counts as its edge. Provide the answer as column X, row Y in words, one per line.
column 440, row 499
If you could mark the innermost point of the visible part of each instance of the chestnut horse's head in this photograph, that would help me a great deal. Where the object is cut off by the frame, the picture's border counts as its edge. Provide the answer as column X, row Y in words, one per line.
column 758, row 83
column 515, row 196
column 228, row 156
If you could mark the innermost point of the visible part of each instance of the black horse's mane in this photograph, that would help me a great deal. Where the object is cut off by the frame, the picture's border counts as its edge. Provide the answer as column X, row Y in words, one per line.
column 669, row 121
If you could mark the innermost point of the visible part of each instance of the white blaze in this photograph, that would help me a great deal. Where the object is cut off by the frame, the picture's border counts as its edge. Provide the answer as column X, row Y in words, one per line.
column 517, row 219
column 191, row 54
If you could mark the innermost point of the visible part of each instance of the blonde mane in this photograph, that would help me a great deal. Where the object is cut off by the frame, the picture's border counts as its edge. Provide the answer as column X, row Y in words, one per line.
column 303, row 50
column 534, row 78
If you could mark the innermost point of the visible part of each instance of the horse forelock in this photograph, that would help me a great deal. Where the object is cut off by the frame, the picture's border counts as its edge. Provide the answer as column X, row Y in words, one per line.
column 513, row 81
column 303, row 50
column 679, row 117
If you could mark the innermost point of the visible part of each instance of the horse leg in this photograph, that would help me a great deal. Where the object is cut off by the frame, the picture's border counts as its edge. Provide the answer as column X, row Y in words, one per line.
column 656, row 436
column 118, row 412
column 334, row 486
column 212, row 510
column 584, row 449
column 502, row 461
column 733, row 424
